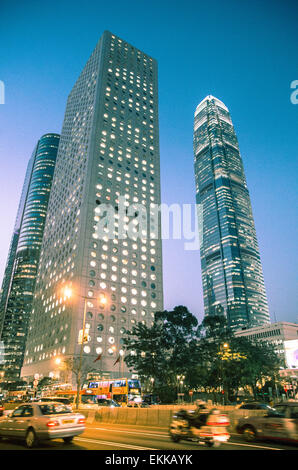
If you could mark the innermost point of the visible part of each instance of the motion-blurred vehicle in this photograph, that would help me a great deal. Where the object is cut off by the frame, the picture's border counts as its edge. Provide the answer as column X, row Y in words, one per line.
column 11, row 400
column 42, row 421
column 279, row 423
column 254, row 405
column 209, row 427
column 151, row 399
column 65, row 401
column 138, row 404
column 1, row 408
column 107, row 403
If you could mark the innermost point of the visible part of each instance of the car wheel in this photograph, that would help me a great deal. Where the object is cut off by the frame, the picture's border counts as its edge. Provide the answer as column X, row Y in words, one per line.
column 31, row 439
column 68, row 439
column 249, row 434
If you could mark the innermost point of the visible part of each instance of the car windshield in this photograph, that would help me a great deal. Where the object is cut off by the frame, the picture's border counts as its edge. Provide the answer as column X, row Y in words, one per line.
column 265, row 407
column 54, row 409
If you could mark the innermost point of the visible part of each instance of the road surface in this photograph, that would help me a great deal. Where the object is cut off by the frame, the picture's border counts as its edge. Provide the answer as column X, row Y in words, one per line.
column 112, row 437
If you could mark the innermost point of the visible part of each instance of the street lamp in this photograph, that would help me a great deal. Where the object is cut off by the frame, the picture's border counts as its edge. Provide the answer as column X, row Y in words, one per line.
column 223, row 352
column 68, row 293
column 61, row 373
column 180, row 379
column 152, row 383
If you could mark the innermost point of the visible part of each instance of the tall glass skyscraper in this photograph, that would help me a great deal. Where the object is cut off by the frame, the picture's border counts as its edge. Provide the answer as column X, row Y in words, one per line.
column 233, row 283
column 20, row 274
column 108, row 153
column 14, row 242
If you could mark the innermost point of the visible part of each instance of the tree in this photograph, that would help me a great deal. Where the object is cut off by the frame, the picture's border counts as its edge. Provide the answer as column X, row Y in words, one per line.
column 227, row 362
column 208, row 356
column 214, row 326
column 44, row 382
column 163, row 351
column 262, row 362
column 72, row 364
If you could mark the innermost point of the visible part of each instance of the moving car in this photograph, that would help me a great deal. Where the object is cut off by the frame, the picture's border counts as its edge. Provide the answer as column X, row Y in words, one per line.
column 107, row 402
column 279, row 423
column 63, row 400
column 134, row 404
column 42, row 421
column 254, row 405
column 1, row 408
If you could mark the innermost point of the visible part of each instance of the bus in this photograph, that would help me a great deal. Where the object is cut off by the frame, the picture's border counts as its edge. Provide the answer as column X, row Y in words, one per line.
column 124, row 391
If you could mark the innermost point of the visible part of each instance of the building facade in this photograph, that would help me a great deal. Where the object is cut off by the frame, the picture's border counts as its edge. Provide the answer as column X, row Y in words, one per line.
column 23, row 262
column 232, row 276
column 284, row 337
column 14, row 242
column 108, row 162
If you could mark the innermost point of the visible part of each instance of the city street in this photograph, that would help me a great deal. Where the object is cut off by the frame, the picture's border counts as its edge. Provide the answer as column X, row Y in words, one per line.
column 147, row 280
column 136, row 438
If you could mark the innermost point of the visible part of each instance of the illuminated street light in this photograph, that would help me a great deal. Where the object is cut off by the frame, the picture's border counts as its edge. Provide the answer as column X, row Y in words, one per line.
column 67, row 292
column 180, row 380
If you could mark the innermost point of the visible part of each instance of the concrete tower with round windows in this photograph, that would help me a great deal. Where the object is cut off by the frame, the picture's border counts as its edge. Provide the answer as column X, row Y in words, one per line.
column 108, row 163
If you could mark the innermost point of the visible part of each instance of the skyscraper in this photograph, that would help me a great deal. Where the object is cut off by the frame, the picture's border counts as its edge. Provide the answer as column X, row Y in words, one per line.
column 14, row 242
column 108, row 157
column 233, row 283
column 21, row 271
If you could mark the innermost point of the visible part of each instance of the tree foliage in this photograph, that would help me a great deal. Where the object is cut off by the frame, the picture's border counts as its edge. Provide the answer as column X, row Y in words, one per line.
column 164, row 350
column 208, row 356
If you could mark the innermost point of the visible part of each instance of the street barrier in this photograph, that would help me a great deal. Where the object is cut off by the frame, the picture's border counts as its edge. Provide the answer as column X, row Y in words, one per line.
column 156, row 416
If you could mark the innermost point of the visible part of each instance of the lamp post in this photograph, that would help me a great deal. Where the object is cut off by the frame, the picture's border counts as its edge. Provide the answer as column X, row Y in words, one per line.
column 68, row 294
column 121, row 352
column 180, row 379
column 223, row 352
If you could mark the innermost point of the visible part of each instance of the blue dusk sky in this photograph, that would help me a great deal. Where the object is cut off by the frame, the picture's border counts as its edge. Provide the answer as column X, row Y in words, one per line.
column 243, row 52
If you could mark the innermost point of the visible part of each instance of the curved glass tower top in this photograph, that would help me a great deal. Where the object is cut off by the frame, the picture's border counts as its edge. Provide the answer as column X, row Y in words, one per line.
column 35, row 211
column 233, row 283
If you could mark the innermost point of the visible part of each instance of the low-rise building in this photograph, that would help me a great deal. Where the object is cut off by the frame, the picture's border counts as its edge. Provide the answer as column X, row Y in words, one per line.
column 284, row 336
